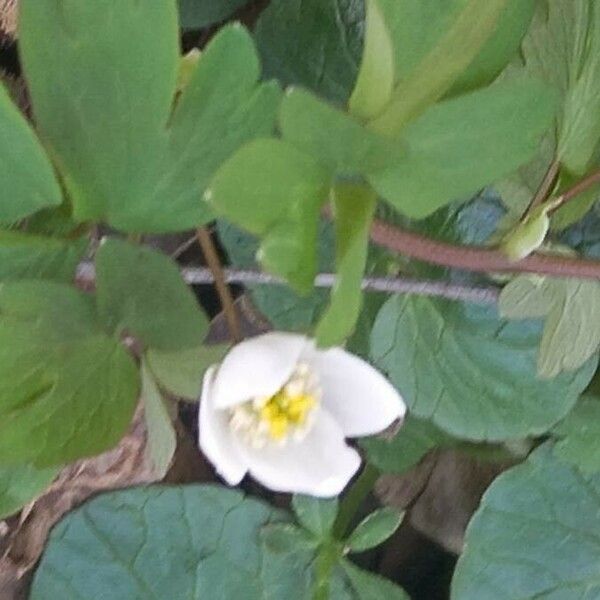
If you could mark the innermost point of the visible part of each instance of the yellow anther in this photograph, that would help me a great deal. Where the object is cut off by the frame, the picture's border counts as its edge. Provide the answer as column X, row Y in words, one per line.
column 278, row 427
column 299, row 407
column 284, row 413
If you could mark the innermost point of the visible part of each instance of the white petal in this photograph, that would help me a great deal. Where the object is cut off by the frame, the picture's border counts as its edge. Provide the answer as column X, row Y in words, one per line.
column 360, row 398
column 215, row 436
column 321, row 464
column 259, row 366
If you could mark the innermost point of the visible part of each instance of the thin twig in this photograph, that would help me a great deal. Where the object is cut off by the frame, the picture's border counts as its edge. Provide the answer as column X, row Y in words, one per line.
column 390, row 285
column 545, row 188
column 474, row 258
column 214, row 264
column 578, row 188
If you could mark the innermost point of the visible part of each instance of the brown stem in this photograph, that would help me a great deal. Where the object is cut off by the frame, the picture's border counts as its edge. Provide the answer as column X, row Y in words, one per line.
column 472, row 258
column 545, row 188
column 214, row 264
column 578, row 188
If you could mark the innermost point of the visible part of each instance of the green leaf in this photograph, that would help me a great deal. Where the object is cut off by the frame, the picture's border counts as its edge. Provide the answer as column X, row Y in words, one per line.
column 534, row 536
column 579, row 133
column 353, row 207
column 21, row 484
column 313, row 43
column 577, row 208
column 471, row 373
column 199, row 14
column 26, row 256
column 439, row 68
column 157, row 542
column 315, row 514
column 528, row 235
column 285, row 309
column 140, row 291
column 102, row 89
column 180, row 372
column 571, row 308
column 222, row 107
column 374, row 529
column 562, row 47
column 413, row 441
column 579, row 436
column 162, row 438
column 67, row 390
column 333, row 137
column 376, row 76
column 369, row 586
column 461, row 145
column 272, row 189
column 501, row 47
column 126, row 154
column 417, row 26
column 27, row 178
column 290, row 565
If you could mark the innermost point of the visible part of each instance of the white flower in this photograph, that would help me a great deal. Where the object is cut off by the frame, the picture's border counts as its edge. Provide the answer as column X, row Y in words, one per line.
column 279, row 408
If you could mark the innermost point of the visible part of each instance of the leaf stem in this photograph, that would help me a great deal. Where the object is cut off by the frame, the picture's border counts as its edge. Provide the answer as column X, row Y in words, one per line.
column 350, row 505
column 474, row 258
column 545, row 188
column 580, row 187
column 214, row 264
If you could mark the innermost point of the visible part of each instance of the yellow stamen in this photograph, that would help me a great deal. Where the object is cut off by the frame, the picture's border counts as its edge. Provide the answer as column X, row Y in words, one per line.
column 284, row 414
column 282, row 411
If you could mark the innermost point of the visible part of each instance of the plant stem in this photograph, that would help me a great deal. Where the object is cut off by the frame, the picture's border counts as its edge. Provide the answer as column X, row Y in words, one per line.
column 214, row 264
column 474, row 258
column 545, row 189
column 578, row 188
column 327, row 557
column 353, row 500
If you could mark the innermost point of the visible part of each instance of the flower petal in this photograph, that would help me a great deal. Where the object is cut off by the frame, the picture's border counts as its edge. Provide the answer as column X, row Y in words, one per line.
column 259, row 366
column 215, row 437
column 321, row 464
column 361, row 399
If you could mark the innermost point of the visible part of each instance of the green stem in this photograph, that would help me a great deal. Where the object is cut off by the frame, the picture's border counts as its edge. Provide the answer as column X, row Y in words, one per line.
column 354, row 498
column 328, row 556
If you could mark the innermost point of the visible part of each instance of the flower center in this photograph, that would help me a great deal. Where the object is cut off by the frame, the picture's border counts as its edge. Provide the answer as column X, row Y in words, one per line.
column 286, row 413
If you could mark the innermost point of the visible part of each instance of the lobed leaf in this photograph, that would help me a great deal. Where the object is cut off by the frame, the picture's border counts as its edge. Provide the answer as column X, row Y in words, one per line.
column 571, row 308
column 127, row 155
column 157, row 542
column 27, row 256
column 21, row 484
column 67, row 390
column 369, row 586
column 27, row 177
column 141, row 292
column 470, row 372
column 461, row 145
column 333, row 137
column 180, row 372
column 283, row 191
column 534, row 535
column 316, row 515
column 578, row 436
